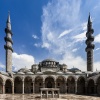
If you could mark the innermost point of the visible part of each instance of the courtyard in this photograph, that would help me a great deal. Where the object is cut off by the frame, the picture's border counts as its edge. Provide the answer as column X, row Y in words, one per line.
column 37, row 97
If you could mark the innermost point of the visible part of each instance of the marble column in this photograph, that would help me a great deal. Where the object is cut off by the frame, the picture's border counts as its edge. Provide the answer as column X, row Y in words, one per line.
column 75, row 86
column 52, row 94
column 3, row 88
column 23, row 87
column 47, row 93
column 33, row 86
column 41, row 93
column 13, row 89
column 43, row 84
column 55, row 84
column 58, row 93
column 95, row 88
column 66, row 86
column 85, row 87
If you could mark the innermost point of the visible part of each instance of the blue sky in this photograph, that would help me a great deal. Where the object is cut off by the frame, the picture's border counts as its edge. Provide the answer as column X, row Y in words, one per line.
column 50, row 29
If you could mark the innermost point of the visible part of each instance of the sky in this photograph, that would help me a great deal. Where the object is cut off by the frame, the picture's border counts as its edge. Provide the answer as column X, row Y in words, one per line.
column 50, row 29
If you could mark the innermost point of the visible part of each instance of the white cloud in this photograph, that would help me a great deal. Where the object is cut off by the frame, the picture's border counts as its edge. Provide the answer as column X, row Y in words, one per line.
column 22, row 60
column 35, row 36
column 80, row 37
column 37, row 44
column 75, row 61
column 97, row 49
column 46, row 45
column 97, row 38
column 64, row 33
column 84, row 26
column 56, row 23
column 96, row 66
column 2, row 65
column 74, row 50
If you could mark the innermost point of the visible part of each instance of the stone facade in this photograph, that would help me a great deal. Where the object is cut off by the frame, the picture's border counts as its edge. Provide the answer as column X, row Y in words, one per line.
column 49, row 74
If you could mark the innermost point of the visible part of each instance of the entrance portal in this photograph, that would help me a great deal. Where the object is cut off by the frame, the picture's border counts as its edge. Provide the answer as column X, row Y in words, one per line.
column 49, row 85
column 49, row 81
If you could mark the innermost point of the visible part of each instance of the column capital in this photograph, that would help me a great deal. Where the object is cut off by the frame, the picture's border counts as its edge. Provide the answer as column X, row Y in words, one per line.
column 95, row 83
column 75, row 81
column 43, row 81
column 86, row 82
column 23, row 80
column 3, row 83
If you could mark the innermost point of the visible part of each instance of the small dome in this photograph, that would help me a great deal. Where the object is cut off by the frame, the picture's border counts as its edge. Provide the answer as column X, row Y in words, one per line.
column 39, row 73
column 4, row 73
column 78, row 72
column 59, row 72
column 24, row 70
column 29, row 73
column 20, row 73
column 74, row 69
column 68, row 72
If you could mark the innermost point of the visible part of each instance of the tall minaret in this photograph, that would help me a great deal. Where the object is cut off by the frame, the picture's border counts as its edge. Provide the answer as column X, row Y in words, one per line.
column 90, row 45
column 8, row 46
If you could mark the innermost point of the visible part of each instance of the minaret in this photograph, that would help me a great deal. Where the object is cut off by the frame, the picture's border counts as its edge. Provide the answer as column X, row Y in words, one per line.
column 90, row 45
column 8, row 46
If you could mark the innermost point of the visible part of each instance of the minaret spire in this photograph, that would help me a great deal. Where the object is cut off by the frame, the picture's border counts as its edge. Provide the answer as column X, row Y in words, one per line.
column 8, row 46
column 90, row 45
column 89, row 18
column 8, row 23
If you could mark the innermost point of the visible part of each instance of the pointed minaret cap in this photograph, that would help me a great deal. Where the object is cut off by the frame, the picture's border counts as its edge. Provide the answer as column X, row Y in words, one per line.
column 8, row 23
column 8, row 19
column 89, row 18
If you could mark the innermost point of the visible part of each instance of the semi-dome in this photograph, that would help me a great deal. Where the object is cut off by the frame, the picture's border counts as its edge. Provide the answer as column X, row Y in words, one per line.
column 24, row 70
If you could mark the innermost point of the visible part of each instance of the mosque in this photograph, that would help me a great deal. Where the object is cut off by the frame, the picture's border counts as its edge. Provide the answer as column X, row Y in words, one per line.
column 50, row 73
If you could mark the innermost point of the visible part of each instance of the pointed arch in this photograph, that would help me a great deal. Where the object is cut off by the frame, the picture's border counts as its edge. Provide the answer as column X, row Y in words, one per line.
column 38, row 83
column 8, row 86
column 98, row 85
column 81, row 85
column 61, row 83
column 28, row 85
column 1, row 85
column 90, row 86
column 17, row 84
column 71, row 84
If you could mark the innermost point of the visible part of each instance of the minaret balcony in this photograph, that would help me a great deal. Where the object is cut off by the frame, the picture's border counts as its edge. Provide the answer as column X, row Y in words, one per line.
column 8, row 31
column 91, row 46
column 89, row 40
column 8, row 39
column 8, row 47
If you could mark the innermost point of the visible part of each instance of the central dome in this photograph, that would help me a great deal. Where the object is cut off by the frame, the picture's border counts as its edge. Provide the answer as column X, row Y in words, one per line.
column 48, row 60
column 49, row 63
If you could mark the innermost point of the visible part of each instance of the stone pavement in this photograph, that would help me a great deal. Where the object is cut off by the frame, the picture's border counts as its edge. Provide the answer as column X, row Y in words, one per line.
column 37, row 97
